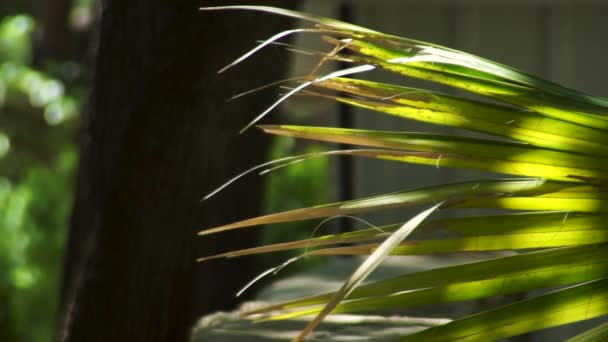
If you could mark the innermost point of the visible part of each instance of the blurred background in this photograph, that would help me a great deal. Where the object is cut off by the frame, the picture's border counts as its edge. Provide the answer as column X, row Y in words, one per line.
column 46, row 53
column 44, row 75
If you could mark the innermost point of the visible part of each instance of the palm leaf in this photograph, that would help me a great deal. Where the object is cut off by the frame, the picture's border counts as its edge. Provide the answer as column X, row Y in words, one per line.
column 367, row 267
column 551, row 266
column 441, row 109
column 482, row 154
column 554, row 135
column 460, row 194
column 599, row 333
column 487, row 227
column 574, row 304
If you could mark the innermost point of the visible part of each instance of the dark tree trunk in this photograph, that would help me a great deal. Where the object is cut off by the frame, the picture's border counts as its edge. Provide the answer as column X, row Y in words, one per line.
column 53, row 39
column 160, row 136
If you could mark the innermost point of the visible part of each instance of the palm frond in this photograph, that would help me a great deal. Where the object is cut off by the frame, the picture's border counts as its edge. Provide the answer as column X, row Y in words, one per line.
column 552, row 137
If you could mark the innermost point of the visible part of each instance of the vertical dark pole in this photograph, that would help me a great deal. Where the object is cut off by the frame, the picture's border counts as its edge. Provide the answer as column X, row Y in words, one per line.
column 345, row 120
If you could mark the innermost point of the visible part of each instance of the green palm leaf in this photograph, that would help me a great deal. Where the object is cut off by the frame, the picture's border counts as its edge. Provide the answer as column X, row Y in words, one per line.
column 574, row 304
column 599, row 333
column 554, row 135
column 523, row 271
column 550, row 225
column 441, row 109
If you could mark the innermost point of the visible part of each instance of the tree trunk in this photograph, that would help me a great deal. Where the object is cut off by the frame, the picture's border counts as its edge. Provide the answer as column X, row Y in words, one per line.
column 159, row 137
column 54, row 39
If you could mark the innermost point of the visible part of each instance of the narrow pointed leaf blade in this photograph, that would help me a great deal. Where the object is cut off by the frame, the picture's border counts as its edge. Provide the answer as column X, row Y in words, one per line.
column 482, row 243
column 597, row 334
column 458, row 191
column 573, row 304
column 518, row 223
column 552, row 266
column 368, row 266
column 472, row 147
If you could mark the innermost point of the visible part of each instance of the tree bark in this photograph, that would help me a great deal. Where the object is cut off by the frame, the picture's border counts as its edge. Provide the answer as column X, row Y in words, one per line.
column 53, row 39
column 159, row 137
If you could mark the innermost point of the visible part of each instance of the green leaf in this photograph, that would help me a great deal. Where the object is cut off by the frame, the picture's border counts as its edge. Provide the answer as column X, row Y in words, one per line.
column 573, row 304
column 470, row 147
column 441, row 109
column 486, row 227
column 385, row 46
column 552, row 267
column 367, row 267
column 597, row 334
column 463, row 193
column 463, row 161
column 480, row 243
column 554, row 134
column 439, row 69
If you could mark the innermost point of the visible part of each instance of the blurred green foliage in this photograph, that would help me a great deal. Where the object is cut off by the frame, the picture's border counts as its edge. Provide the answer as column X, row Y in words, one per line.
column 295, row 186
column 38, row 118
column 33, row 216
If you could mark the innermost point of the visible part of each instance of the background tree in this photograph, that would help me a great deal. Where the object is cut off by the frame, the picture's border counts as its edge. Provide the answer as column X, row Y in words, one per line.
column 159, row 136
